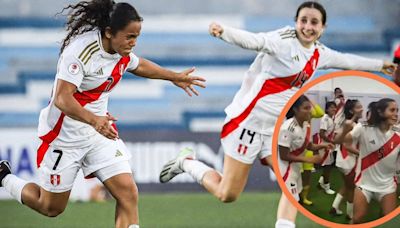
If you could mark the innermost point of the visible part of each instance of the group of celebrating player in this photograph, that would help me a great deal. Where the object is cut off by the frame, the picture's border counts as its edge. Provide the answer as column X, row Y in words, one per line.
column 366, row 153
column 76, row 130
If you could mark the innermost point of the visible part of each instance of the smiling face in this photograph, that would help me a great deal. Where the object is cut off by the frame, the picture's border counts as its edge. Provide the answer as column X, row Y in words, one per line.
column 303, row 112
column 358, row 110
column 391, row 114
column 309, row 26
column 331, row 110
column 123, row 40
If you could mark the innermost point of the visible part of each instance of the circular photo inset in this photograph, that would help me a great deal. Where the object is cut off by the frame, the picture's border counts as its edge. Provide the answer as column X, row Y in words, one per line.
column 336, row 149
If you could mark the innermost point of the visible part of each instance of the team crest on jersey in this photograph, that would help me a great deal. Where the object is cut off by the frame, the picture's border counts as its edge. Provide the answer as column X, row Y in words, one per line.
column 73, row 68
column 55, row 179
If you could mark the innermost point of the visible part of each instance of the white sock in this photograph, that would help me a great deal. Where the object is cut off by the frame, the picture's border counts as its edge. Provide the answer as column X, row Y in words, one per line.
column 321, row 180
column 349, row 209
column 337, row 201
column 14, row 186
column 284, row 223
column 196, row 169
column 133, row 226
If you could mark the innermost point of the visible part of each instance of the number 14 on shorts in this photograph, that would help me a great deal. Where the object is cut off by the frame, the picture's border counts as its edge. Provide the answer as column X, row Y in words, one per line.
column 246, row 137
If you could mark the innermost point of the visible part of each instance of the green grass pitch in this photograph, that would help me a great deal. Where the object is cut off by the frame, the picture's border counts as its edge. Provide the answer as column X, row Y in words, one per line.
column 176, row 210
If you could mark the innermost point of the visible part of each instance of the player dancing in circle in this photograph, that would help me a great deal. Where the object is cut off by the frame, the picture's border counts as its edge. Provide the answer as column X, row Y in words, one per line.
column 346, row 159
column 75, row 127
column 379, row 146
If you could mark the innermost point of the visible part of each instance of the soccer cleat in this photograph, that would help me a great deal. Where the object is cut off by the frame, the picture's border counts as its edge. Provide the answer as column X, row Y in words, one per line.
column 306, row 202
column 335, row 212
column 174, row 167
column 5, row 169
column 326, row 187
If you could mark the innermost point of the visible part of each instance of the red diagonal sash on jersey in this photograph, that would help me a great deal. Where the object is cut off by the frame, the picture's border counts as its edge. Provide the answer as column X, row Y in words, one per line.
column 379, row 154
column 83, row 98
column 272, row 86
column 327, row 150
column 298, row 151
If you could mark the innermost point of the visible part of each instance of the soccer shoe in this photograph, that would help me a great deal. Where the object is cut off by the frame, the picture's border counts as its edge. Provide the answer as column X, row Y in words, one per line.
column 327, row 188
column 335, row 212
column 306, row 202
column 5, row 169
column 174, row 167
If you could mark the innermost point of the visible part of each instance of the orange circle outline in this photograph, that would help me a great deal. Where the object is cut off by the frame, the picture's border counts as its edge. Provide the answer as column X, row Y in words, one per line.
column 278, row 124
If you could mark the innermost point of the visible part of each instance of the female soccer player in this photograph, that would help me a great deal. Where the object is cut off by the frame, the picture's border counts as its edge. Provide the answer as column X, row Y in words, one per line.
column 346, row 161
column 75, row 128
column 379, row 150
column 294, row 138
column 286, row 59
column 327, row 128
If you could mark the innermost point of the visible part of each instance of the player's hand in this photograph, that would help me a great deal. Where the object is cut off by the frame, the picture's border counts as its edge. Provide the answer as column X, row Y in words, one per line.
column 187, row 82
column 316, row 159
column 348, row 124
column 102, row 124
column 388, row 68
column 329, row 146
column 215, row 29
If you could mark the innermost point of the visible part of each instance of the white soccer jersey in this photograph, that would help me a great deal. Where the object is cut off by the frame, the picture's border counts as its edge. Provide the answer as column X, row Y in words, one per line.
column 296, row 138
column 376, row 166
column 280, row 68
column 95, row 73
column 328, row 125
column 344, row 159
column 339, row 115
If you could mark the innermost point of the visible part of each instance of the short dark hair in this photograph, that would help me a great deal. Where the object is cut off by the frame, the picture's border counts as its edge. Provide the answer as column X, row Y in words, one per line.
column 348, row 108
column 329, row 104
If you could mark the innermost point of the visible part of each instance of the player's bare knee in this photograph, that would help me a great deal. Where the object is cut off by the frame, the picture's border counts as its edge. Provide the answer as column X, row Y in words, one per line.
column 53, row 211
column 227, row 196
column 127, row 194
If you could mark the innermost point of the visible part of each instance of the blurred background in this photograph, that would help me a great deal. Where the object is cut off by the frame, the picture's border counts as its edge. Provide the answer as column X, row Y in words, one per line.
column 156, row 119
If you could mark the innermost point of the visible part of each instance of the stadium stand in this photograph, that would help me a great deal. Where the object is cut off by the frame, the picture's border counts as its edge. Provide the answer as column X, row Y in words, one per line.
column 29, row 46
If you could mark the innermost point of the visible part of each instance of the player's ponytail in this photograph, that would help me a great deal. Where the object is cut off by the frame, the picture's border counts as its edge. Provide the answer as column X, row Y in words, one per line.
column 98, row 14
column 377, row 111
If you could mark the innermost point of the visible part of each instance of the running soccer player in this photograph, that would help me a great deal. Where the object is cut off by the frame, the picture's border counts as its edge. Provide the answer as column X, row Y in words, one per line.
column 377, row 163
column 75, row 127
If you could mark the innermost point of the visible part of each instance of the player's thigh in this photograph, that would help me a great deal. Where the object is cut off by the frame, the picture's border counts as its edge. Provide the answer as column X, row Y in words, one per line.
column 360, row 201
column 54, row 202
column 389, row 203
column 235, row 175
column 118, row 179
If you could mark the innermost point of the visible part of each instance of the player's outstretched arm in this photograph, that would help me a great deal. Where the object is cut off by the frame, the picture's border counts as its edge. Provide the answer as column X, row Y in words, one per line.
column 184, row 79
column 241, row 38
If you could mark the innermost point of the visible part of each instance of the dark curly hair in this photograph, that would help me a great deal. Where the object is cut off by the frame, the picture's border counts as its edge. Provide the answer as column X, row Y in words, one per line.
column 97, row 14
